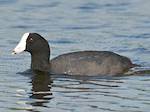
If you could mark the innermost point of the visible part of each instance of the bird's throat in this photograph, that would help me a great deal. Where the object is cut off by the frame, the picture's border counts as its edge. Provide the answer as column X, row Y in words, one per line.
column 40, row 62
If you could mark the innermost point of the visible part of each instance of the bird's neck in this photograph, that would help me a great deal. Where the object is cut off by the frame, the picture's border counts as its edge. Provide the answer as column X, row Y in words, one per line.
column 40, row 61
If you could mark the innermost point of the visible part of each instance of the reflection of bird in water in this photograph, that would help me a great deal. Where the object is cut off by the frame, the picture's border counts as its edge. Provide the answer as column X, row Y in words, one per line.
column 41, row 85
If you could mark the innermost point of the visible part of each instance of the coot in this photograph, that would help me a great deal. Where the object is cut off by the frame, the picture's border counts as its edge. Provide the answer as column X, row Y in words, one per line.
column 74, row 63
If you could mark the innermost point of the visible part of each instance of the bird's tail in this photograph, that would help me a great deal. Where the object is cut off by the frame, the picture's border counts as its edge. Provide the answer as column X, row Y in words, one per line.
column 135, row 65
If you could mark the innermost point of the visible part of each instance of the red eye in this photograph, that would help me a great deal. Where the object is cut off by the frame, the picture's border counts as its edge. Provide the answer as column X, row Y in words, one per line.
column 31, row 39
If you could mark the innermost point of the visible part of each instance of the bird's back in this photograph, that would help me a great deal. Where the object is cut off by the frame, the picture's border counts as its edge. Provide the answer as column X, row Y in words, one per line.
column 90, row 63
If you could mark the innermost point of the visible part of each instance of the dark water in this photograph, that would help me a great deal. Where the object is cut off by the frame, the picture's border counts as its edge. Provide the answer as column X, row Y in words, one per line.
column 122, row 26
